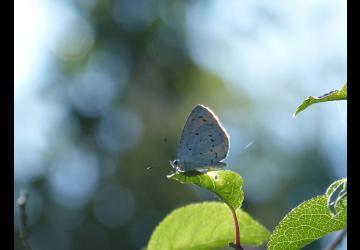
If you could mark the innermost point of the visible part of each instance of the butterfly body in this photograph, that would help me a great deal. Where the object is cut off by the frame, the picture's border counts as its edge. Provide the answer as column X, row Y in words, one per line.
column 204, row 142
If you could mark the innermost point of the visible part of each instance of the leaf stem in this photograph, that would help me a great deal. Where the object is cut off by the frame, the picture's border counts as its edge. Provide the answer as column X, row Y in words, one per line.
column 337, row 240
column 236, row 245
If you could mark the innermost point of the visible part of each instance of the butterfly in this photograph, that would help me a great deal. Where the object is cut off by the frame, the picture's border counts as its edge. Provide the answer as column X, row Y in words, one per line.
column 204, row 142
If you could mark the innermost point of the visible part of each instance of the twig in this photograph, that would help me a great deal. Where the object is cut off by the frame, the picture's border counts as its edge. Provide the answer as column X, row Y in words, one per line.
column 337, row 240
column 21, row 202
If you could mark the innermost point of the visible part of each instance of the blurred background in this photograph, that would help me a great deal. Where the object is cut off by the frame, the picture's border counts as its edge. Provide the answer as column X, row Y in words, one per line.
column 103, row 89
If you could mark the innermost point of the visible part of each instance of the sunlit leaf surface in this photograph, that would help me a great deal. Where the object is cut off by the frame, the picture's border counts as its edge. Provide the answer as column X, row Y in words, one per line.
column 309, row 221
column 331, row 96
column 206, row 225
column 224, row 183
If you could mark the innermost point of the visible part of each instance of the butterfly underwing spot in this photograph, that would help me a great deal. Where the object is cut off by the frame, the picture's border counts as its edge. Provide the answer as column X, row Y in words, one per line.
column 212, row 140
column 216, row 154
column 196, row 133
column 204, row 120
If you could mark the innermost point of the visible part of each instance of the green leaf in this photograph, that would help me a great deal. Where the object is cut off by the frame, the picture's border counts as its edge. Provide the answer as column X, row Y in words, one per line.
column 309, row 221
column 335, row 185
column 225, row 183
column 335, row 193
column 207, row 225
column 331, row 96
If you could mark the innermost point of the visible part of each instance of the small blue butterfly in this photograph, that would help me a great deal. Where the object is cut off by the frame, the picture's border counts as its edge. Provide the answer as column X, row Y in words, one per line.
column 204, row 142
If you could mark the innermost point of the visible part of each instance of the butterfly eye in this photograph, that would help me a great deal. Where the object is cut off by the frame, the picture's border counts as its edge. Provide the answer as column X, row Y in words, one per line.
column 175, row 162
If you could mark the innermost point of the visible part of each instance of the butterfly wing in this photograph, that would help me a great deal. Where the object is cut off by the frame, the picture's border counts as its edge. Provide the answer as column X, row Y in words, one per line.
column 204, row 142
